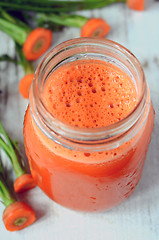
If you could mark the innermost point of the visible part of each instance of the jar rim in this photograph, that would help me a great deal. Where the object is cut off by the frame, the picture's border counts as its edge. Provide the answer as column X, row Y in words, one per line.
column 63, row 132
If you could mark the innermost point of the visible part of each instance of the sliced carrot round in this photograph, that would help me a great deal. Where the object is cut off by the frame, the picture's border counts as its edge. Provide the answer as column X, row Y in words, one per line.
column 24, row 85
column 37, row 43
column 136, row 4
column 23, row 183
column 17, row 216
column 95, row 27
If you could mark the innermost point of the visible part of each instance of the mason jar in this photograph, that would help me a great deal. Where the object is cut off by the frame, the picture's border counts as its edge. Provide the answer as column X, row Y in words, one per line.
column 82, row 168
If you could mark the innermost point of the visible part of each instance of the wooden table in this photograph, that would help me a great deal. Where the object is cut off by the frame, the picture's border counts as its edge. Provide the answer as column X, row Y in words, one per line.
column 138, row 217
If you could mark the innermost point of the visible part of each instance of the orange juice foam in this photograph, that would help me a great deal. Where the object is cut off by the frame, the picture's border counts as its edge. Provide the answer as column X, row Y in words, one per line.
column 89, row 94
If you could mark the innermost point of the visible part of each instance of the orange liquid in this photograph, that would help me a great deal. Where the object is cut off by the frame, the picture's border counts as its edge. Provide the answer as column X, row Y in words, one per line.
column 87, row 94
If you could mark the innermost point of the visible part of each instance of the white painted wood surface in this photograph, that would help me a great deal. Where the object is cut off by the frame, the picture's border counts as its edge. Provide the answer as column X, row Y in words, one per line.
column 138, row 217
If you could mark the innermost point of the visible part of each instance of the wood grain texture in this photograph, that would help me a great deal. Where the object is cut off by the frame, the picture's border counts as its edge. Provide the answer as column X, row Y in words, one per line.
column 138, row 217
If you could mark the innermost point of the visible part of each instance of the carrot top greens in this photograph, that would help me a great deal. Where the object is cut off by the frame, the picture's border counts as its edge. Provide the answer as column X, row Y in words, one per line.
column 55, row 6
column 10, row 147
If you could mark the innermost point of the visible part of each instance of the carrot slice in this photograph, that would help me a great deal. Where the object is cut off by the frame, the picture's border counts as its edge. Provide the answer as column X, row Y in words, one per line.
column 24, row 85
column 23, row 183
column 37, row 43
column 17, row 216
column 136, row 4
column 95, row 27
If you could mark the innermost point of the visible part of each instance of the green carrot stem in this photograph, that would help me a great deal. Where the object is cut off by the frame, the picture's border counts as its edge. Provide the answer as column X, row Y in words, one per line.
column 14, row 158
column 27, row 66
column 5, row 148
column 15, row 28
column 6, row 58
column 17, row 33
column 63, row 19
column 5, row 194
column 5, row 15
column 12, row 153
column 55, row 6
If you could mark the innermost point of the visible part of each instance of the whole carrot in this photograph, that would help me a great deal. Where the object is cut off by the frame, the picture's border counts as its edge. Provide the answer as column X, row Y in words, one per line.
column 24, row 180
column 17, row 215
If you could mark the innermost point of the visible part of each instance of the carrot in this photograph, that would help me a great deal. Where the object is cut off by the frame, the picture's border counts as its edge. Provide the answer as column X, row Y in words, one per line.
column 33, row 42
column 24, row 85
column 95, row 27
column 24, row 181
column 37, row 43
column 136, row 4
column 17, row 215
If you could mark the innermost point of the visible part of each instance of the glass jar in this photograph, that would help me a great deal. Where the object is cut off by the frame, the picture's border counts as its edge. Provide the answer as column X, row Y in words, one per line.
column 88, row 169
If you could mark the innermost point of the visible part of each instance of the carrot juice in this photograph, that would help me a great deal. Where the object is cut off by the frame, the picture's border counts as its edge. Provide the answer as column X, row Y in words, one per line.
column 88, row 125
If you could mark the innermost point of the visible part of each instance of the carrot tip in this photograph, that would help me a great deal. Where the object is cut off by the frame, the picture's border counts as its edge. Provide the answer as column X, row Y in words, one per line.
column 17, row 216
column 24, row 85
column 24, row 183
column 136, row 4
column 95, row 27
